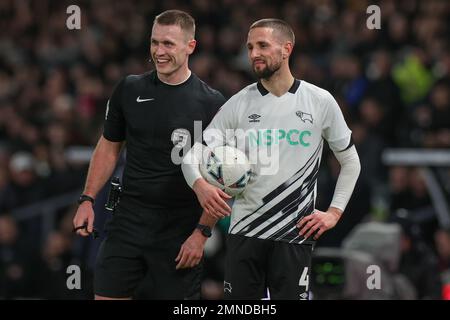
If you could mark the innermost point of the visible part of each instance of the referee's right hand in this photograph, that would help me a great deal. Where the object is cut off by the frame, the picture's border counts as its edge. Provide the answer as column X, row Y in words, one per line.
column 211, row 199
column 84, row 216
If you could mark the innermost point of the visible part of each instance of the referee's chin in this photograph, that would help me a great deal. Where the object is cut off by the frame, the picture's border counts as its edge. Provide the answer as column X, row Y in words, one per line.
column 164, row 70
column 167, row 71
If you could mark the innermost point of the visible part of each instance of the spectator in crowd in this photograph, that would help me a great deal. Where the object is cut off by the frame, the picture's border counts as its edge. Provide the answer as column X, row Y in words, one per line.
column 25, row 186
column 16, row 262
column 418, row 262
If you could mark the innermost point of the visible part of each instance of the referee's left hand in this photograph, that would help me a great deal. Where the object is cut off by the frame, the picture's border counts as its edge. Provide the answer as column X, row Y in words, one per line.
column 191, row 251
column 319, row 222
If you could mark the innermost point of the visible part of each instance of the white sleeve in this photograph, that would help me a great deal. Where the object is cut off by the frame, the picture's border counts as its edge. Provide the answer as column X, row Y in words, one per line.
column 190, row 164
column 219, row 132
column 350, row 169
column 222, row 127
column 334, row 127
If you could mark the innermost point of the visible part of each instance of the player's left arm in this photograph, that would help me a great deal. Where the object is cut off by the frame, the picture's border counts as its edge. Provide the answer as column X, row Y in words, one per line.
column 338, row 136
column 191, row 251
column 322, row 221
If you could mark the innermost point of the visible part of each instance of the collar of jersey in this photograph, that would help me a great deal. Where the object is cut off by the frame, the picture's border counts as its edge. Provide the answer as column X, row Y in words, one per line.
column 174, row 84
column 292, row 89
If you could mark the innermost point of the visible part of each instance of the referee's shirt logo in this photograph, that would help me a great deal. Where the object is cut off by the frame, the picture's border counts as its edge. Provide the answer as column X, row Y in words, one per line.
column 180, row 137
column 138, row 99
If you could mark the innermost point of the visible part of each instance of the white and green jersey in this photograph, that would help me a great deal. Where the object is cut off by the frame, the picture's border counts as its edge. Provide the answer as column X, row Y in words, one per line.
column 283, row 139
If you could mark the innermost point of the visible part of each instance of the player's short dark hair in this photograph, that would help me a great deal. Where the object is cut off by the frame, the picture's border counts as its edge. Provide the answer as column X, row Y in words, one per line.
column 177, row 17
column 278, row 25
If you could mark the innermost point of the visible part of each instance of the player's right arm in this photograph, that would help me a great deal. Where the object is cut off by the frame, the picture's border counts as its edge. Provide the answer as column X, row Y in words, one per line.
column 101, row 167
column 218, row 133
column 104, row 158
column 211, row 198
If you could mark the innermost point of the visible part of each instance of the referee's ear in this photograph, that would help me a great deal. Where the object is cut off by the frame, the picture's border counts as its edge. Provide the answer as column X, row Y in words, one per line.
column 191, row 46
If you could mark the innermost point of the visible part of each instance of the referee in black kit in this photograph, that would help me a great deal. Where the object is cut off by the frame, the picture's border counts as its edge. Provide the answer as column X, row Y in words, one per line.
column 157, row 230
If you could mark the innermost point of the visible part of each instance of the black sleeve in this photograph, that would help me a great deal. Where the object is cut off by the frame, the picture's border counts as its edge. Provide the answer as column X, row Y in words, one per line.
column 115, row 126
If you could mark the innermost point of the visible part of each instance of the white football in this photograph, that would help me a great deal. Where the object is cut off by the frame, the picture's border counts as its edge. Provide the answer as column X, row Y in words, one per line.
column 226, row 168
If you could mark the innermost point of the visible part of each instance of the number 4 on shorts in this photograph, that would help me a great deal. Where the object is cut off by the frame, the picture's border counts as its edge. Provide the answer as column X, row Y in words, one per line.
column 304, row 279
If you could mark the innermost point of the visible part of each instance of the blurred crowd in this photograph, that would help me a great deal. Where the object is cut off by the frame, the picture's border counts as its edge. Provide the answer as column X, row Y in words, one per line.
column 393, row 85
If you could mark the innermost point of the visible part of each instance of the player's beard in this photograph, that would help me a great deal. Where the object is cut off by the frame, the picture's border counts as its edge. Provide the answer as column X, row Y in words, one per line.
column 268, row 71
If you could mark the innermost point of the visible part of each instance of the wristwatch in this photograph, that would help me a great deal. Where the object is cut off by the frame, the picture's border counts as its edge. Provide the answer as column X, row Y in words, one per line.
column 205, row 230
column 85, row 197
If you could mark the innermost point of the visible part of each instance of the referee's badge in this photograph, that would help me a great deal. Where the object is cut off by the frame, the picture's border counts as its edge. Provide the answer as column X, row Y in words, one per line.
column 180, row 137
column 304, row 116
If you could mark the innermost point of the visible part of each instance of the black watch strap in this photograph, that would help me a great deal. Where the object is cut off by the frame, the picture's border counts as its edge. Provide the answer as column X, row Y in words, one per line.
column 205, row 230
column 85, row 197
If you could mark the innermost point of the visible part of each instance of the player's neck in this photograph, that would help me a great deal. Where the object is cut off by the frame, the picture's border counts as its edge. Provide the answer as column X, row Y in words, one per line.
column 279, row 83
column 175, row 78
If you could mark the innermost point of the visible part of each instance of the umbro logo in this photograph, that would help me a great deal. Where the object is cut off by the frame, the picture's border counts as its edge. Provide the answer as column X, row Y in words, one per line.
column 254, row 117
column 303, row 296
column 138, row 99
column 304, row 116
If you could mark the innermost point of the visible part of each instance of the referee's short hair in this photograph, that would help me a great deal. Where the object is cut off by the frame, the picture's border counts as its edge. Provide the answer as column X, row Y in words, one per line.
column 279, row 26
column 177, row 17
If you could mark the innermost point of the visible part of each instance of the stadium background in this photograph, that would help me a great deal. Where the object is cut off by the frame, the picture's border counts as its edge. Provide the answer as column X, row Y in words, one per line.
column 392, row 85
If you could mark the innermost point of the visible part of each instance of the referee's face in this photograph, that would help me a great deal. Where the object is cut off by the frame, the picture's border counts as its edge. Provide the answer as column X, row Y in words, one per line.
column 170, row 48
column 264, row 51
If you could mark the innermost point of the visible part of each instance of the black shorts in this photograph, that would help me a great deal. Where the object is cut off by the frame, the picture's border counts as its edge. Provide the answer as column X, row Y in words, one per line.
column 255, row 268
column 139, row 251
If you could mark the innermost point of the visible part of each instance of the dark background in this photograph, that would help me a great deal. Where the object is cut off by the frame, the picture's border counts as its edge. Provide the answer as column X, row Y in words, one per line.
column 392, row 85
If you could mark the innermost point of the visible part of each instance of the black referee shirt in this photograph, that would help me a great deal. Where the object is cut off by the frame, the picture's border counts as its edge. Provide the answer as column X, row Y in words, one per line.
column 144, row 112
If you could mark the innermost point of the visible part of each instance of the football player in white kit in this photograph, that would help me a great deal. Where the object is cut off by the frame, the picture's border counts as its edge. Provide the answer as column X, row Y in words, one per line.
column 274, row 223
